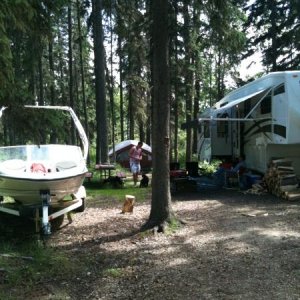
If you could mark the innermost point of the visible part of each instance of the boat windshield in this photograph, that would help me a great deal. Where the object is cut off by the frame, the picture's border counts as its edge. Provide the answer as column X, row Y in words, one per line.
column 41, row 153
column 41, row 125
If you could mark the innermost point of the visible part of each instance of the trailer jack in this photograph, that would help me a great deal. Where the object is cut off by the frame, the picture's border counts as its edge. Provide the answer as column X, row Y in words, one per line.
column 46, row 200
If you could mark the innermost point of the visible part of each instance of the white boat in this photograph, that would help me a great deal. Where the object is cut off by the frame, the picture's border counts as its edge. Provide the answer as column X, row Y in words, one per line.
column 27, row 170
column 43, row 175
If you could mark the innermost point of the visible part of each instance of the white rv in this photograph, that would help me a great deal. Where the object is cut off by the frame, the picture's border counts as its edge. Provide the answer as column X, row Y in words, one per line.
column 260, row 120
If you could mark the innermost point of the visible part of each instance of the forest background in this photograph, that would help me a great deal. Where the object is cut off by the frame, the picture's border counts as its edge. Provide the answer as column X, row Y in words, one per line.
column 96, row 56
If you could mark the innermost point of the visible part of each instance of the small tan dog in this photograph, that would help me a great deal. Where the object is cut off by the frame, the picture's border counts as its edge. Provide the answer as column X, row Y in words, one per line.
column 128, row 204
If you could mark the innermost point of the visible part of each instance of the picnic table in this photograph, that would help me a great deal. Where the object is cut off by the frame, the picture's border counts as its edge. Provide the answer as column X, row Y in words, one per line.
column 105, row 170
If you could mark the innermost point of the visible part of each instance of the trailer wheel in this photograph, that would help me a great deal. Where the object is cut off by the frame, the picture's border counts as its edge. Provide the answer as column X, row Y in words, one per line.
column 82, row 207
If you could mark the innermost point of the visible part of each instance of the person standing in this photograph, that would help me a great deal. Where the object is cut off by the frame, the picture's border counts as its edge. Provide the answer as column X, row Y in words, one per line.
column 135, row 157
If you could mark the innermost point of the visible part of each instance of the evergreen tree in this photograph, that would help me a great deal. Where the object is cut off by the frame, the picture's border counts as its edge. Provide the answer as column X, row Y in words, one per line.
column 276, row 32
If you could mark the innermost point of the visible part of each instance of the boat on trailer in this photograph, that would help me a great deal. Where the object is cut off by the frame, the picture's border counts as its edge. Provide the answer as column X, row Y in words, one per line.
column 44, row 178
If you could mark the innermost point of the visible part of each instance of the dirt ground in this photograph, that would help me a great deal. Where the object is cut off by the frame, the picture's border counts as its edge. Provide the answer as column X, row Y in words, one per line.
column 235, row 246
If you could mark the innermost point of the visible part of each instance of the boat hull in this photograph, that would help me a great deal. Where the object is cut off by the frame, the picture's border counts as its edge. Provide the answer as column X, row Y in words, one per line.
column 27, row 190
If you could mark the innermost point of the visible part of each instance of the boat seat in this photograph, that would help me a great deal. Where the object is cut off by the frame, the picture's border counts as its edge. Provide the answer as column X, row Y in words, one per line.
column 65, row 165
column 13, row 165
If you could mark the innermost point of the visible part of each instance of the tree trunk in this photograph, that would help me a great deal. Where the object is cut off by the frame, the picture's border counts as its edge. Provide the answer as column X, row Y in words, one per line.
column 161, row 211
column 121, row 90
column 173, row 61
column 70, row 58
column 274, row 36
column 84, row 104
column 41, row 81
column 188, row 78
column 52, row 75
column 111, row 86
column 61, row 71
column 130, row 113
column 41, row 100
column 196, row 112
column 101, row 145
column 53, row 136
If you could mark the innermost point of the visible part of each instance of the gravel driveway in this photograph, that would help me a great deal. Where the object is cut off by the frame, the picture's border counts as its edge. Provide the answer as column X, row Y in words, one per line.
column 235, row 246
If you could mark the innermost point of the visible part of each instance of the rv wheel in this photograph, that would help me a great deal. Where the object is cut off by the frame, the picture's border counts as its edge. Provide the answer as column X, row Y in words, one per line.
column 82, row 207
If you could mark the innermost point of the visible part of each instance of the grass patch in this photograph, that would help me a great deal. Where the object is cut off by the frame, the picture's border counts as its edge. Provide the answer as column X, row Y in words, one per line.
column 26, row 264
column 95, row 188
column 113, row 272
column 173, row 226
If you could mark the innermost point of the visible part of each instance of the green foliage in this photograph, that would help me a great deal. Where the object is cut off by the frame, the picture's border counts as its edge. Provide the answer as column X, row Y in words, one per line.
column 18, row 19
column 209, row 168
column 34, row 126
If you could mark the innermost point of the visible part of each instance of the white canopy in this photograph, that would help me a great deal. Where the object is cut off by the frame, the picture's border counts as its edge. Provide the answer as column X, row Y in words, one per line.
column 127, row 144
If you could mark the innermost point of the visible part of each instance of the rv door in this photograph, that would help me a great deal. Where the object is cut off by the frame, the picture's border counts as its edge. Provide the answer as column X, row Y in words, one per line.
column 222, row 135
column 204, row 141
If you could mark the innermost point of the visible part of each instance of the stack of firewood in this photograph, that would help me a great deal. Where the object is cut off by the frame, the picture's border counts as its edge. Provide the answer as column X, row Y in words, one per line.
column 281, row 180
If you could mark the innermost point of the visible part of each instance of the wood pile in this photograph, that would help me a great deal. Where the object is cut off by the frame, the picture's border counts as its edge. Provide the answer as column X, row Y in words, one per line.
column 256, row 189
column 281, row 180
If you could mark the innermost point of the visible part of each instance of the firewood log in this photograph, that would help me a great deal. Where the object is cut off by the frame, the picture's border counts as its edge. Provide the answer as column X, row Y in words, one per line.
column 292, row 195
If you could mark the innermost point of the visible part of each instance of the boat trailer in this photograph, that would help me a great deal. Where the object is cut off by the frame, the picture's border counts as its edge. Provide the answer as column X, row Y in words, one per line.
column 45, row 212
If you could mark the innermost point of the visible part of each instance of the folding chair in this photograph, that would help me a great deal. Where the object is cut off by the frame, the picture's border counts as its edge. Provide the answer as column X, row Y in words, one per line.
column 192, row 168
column 234, row 178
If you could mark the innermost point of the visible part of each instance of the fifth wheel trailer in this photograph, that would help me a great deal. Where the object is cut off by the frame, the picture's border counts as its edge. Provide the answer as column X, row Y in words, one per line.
column 260, row 120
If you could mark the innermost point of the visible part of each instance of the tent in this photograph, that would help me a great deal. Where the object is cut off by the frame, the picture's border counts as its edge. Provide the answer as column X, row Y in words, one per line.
column 122, row 154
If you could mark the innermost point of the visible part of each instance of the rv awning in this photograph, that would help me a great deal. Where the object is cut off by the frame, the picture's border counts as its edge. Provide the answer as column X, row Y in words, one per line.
column 242, row 99
column 195, row 123
column 211, row 115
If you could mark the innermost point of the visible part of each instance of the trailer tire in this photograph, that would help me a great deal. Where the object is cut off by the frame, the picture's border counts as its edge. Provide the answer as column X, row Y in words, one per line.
column 82, row 207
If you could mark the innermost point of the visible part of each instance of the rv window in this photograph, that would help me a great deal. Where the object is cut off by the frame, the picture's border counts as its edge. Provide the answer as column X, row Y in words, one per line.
column 279, row 90
column 266, row 105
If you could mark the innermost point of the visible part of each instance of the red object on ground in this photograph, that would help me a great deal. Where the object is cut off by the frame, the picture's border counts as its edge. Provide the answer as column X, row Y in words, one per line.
column 177, row 173
column 226, row 165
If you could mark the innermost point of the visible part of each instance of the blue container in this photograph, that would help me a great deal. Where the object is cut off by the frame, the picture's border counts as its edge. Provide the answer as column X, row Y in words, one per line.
column 253, row 179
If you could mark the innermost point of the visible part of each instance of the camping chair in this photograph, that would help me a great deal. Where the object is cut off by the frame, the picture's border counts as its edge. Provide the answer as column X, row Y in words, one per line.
column 192, row 168
column 234, row 178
